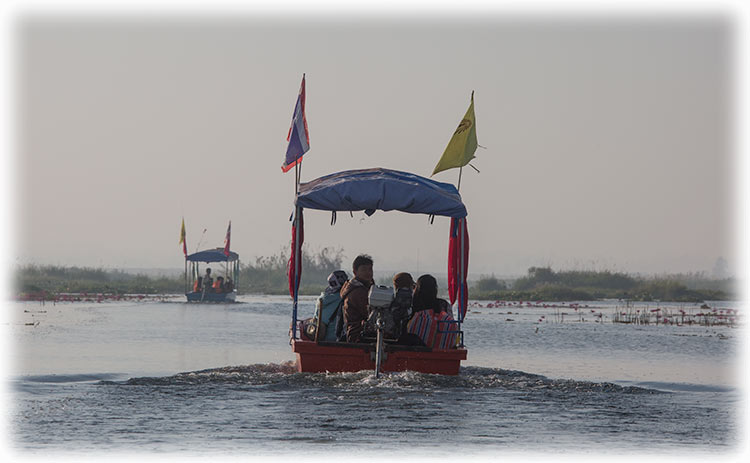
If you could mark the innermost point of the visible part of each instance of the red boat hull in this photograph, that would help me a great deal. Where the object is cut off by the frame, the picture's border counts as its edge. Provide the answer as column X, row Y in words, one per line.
column 318, row 357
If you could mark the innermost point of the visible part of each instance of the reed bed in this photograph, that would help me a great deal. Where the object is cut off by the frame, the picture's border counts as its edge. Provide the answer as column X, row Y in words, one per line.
column 43, row 297
column 629, row 314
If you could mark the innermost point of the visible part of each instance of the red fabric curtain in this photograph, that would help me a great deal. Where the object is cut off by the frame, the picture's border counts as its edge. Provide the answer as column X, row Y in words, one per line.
column 457, row 286
column 294, row 282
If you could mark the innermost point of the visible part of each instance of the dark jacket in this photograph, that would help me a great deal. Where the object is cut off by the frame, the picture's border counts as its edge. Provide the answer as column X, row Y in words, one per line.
column 354, row 293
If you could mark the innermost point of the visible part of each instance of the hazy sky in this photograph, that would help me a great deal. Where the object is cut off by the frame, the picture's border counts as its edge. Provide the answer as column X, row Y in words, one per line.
column 608, row 139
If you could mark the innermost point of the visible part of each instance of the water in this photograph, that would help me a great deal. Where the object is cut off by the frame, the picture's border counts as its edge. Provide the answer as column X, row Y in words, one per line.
column 219, row 379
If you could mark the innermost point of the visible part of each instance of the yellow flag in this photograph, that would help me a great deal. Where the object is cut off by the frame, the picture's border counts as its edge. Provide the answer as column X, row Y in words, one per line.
column 463, row 144
column 183, row 241
column 182, row 232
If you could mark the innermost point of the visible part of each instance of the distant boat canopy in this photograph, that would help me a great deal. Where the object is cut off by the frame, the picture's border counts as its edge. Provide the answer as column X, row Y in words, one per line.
column 381, row 189
column 213, row 255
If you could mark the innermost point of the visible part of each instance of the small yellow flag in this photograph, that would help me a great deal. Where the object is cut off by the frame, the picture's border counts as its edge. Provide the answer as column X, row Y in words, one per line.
column 183, row 241
column 182, row 232
column 463, row 144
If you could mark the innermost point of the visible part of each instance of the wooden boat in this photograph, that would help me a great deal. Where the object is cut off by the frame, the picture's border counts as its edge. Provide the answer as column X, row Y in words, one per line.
column 229, row 269
column 337, row 357
column 370, row 190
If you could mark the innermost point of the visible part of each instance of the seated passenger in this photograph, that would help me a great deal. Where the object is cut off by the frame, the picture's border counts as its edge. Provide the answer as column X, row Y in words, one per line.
column 430, row 316
column 328, row 308
column 403, row 286
column 219, row 285
column 354, row 294
column 198, row 285
column 229, row 286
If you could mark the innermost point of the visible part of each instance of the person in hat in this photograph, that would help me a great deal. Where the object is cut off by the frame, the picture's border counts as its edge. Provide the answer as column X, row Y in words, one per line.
column 328, row 308
column 403, row 286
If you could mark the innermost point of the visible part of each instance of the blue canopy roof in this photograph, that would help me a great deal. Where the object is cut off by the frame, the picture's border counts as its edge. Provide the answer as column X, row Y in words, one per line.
column 213, row 255
column 381, row 189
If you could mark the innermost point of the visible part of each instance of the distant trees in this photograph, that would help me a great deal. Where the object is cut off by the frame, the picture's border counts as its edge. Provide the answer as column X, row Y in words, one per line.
column 490, row 283
column 543, row 283
column 268, row 273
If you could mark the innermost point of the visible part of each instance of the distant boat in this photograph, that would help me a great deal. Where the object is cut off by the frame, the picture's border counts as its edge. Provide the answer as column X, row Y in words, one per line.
column 196, row 291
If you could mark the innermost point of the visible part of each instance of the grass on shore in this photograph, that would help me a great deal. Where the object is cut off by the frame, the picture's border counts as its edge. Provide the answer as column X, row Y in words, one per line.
column 267, row 275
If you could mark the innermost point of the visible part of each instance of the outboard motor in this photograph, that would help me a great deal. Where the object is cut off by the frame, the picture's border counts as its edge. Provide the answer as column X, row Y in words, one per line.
column 388, row 313
column 379, row 320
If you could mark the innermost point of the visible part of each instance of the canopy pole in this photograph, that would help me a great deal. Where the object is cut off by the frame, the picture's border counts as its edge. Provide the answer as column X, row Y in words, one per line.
column 460, row 267
column 186, row 281
column 462, row 272
column 296, row 179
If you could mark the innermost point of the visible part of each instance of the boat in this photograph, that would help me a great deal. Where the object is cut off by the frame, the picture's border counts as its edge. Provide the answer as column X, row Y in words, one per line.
column 229, row 269
column 370, row 190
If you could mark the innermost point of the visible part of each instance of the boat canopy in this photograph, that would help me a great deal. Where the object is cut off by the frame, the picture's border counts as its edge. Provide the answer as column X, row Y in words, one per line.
column 381, row 189
column 213, row 255
column 386, row 190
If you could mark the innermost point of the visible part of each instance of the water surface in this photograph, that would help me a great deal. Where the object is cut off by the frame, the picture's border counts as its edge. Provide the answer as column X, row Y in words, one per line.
column 219, row 379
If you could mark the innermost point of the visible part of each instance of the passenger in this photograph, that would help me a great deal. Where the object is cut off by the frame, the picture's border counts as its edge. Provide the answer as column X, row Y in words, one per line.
column 229, row 286
column 430, row 317
column 328, row 308
column 219, row 285
column 354, row 293
column 403, row 286
column 198, row 285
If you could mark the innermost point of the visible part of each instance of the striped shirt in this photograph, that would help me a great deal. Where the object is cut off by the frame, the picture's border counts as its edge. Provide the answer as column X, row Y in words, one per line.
column 429, row 326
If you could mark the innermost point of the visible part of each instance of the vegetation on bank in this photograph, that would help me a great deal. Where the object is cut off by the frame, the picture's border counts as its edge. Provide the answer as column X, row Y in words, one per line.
column 54, row 279
column 267, row 275
column 545, row 284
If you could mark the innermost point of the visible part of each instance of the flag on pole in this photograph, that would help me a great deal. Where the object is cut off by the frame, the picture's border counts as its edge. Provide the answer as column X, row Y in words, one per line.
column 463, row 144
column 227, row 239
column 183, row 242
column 298, row 137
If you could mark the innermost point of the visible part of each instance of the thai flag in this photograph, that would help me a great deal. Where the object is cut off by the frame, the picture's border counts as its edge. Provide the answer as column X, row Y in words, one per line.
column 298, row 137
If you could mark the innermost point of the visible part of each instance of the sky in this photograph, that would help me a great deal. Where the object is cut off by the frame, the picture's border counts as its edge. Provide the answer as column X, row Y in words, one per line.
column 608, row 140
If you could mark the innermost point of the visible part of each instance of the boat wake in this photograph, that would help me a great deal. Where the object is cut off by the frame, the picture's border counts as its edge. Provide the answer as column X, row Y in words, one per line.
column 285, row 376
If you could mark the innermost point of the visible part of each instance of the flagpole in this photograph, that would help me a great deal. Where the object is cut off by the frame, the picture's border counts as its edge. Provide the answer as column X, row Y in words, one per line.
column 460, row 171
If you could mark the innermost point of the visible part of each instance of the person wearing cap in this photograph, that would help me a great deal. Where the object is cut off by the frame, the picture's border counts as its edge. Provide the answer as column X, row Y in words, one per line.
column 328, row 306
column 403, row 286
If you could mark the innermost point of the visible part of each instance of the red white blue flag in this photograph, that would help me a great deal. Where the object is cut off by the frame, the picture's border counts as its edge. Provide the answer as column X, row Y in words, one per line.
column 298, row 138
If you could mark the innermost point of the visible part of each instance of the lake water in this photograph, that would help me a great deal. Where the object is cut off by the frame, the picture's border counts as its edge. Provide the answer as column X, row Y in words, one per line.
column 208, row 380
